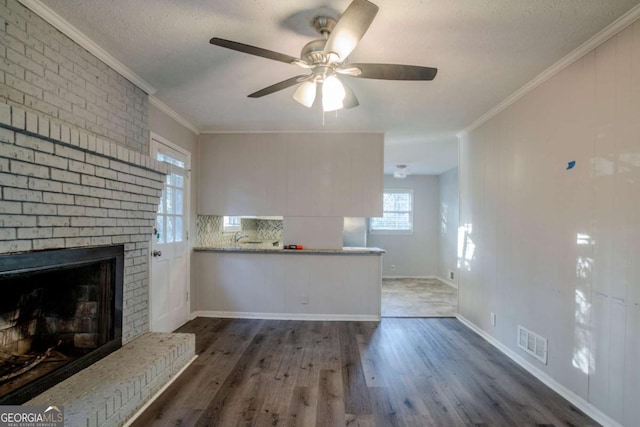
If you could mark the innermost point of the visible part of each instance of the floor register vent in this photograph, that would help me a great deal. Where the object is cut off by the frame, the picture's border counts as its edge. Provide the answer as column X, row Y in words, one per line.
column 533, row 344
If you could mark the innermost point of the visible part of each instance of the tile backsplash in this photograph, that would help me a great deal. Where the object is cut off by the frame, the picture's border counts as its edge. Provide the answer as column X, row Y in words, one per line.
column 210, row 230
column 269, row 229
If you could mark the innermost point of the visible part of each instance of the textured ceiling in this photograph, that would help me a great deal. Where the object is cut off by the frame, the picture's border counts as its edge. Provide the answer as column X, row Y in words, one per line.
column 484, row 49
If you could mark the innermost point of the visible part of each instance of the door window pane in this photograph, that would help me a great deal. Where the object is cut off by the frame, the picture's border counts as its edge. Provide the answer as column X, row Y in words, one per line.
column 179, row 201
column 179, row 232
column 170, row 229
column 170, row 222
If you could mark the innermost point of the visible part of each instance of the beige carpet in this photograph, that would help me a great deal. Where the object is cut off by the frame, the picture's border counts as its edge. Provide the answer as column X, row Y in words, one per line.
column 418, row 298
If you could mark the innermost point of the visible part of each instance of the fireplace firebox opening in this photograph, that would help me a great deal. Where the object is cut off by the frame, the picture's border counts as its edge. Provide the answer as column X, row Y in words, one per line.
column 60, row 311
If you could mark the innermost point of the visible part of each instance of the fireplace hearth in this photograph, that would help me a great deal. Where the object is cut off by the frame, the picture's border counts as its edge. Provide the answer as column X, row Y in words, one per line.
column 60, row 311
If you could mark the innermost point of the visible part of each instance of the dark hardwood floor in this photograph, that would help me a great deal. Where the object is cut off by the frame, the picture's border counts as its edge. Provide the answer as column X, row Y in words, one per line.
column 399, row 372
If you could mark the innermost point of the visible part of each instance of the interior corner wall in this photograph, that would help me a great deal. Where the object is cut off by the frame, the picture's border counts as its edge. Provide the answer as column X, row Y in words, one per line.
column 550, row 202
column 448, row 225
column 169, row 129
column 415, row 254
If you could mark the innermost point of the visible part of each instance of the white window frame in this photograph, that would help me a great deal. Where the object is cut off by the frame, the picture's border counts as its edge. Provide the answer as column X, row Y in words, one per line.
column 227, row 227
column 411, row 213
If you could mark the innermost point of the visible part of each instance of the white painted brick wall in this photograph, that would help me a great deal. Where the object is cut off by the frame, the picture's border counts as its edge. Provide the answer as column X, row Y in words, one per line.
column 86, row 180
column 45, row 72
column 64, row 200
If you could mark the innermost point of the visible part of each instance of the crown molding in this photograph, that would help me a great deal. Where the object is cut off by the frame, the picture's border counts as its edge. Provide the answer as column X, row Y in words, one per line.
column 609, row 31
column 77, row 36
column 171, row 113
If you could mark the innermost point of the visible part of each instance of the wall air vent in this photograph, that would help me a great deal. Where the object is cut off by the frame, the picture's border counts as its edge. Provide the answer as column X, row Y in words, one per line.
column 533, row 344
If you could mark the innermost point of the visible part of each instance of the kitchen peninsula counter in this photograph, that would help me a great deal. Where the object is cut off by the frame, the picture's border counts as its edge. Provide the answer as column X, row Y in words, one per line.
column 273, row 283
column 262, row 249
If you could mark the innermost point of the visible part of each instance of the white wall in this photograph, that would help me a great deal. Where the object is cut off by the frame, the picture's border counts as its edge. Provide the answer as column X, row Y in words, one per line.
column 163, row 125
column 448, row 225
column 556, row 250
column 414, row 254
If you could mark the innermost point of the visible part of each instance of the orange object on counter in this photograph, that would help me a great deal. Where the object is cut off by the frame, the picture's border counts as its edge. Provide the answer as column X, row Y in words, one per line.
column 293, row 247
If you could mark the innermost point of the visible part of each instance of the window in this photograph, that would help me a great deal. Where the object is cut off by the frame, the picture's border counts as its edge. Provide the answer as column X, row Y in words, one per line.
column 170, row 216
column 397, row 213
column 231, row 223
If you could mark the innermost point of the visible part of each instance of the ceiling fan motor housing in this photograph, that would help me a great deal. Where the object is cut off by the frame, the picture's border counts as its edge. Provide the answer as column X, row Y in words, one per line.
column 313, row 52
column 324, row 24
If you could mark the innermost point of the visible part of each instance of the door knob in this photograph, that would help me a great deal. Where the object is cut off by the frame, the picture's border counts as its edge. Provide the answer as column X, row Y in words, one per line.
column 156, row 253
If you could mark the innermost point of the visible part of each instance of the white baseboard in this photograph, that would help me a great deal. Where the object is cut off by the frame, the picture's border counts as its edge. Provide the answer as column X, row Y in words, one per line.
column 158, row 393
column 288, row 316
column 576, row 400
column 448, row 282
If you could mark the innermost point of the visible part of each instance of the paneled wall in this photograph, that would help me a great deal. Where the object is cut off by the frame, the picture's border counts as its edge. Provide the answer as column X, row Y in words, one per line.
column 291, row 174
column 448, row 225
column 553, row 247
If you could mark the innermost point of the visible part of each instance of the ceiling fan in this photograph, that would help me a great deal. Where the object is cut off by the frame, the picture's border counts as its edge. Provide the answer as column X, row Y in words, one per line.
column 327, row 60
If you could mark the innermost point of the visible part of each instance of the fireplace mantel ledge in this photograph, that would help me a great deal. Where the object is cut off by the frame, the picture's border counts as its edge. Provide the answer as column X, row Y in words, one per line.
column 29, row 123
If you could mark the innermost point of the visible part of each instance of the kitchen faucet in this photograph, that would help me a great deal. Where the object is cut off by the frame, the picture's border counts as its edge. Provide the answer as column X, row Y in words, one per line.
column 237, row 237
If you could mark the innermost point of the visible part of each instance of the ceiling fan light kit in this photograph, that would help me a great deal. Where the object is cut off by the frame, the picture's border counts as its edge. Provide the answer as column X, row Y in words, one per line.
column 306, row 93
column 326, row 58
column 332, row 94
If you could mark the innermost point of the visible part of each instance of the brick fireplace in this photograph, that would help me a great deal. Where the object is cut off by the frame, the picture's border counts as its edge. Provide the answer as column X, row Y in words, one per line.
column 75, row 174
column 63, row 188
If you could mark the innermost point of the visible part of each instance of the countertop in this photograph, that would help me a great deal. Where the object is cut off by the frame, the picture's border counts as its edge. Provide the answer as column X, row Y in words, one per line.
column 262, row 249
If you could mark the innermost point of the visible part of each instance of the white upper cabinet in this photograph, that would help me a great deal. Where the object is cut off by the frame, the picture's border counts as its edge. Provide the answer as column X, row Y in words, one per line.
column 304, row 174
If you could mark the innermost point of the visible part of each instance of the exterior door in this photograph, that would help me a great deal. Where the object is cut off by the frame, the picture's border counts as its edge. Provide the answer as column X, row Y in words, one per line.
column 169, row 287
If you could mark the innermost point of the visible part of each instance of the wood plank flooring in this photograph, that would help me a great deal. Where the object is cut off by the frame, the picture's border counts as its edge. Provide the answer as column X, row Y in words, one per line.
column 399, row 372
column 411, row 297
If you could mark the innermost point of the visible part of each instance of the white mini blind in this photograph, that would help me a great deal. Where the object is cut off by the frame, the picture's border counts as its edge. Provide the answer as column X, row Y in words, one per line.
column 397, row 212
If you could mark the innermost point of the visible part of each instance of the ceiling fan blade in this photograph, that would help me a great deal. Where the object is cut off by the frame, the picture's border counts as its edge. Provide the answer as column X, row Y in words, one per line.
column 349, row 71
column 278, row 86
column 350, row 100
column 395, row 72
column 253, row 50
column 350, row 28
